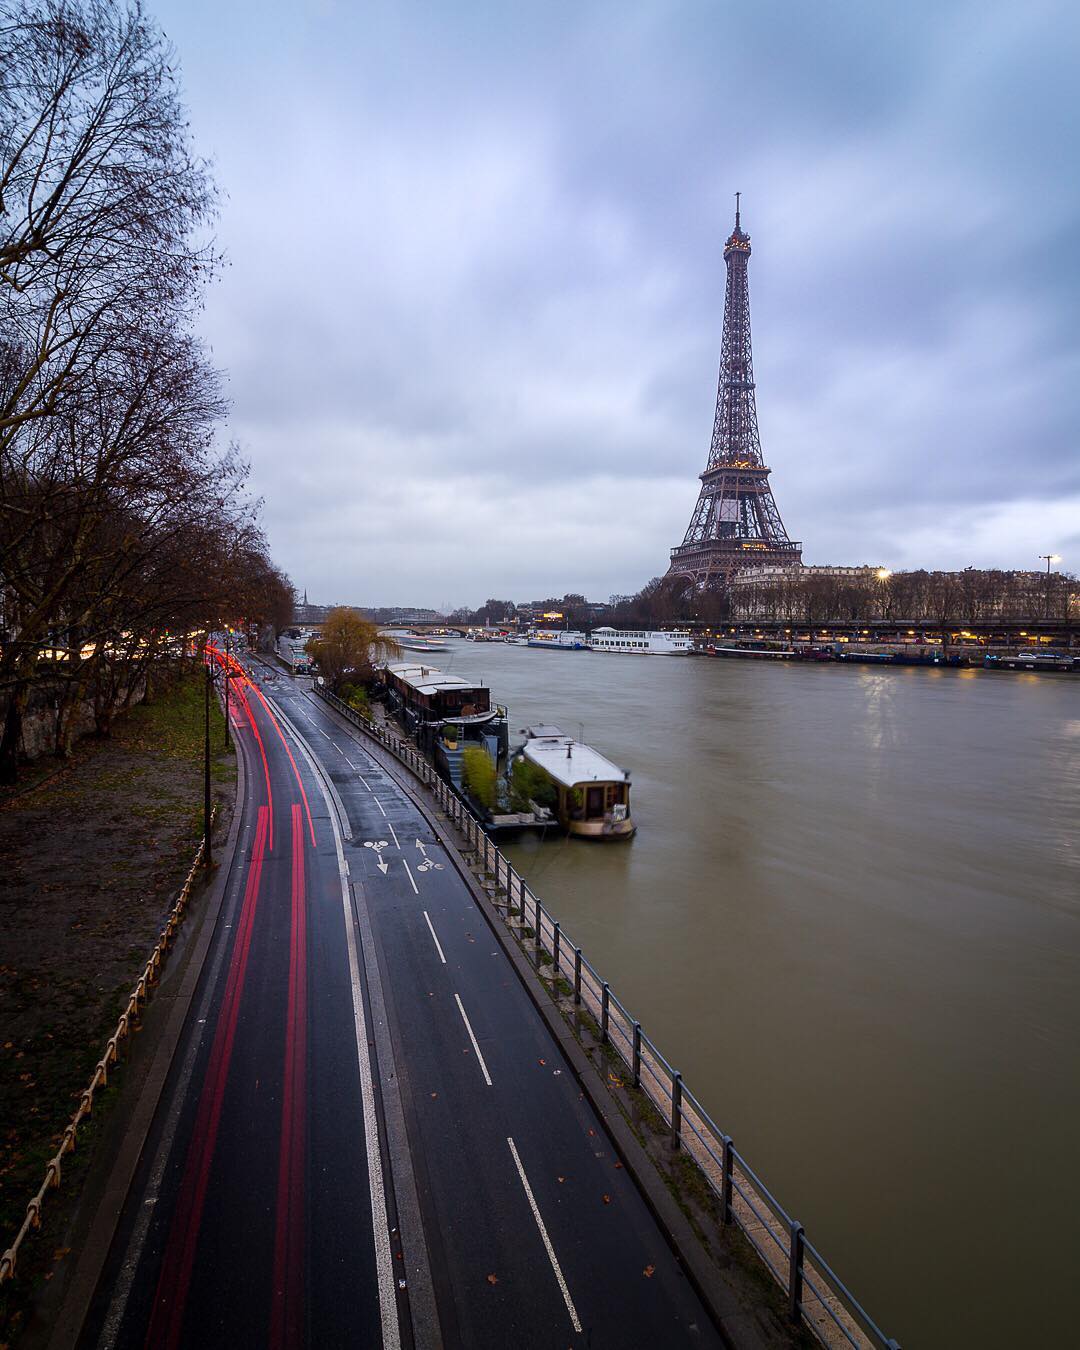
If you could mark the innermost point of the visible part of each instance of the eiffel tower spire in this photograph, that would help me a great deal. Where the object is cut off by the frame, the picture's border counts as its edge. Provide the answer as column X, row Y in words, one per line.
column 736, row 524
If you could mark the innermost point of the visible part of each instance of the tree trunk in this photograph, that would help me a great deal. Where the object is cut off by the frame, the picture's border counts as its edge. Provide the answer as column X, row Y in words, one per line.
column 12, row 735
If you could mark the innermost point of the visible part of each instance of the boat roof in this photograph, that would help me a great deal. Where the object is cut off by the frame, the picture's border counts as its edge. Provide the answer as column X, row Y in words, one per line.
column 426, row 679
column 646, row 632
column 583, row 764
column 544, row 729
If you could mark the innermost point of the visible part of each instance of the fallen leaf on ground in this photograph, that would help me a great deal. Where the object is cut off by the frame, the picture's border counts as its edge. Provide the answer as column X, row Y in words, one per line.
column 648, row 1272
column 493, row 1279
column 607, row 1199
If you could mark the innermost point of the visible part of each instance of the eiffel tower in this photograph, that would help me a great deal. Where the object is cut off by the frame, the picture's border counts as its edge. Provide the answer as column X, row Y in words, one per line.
column 736, row 525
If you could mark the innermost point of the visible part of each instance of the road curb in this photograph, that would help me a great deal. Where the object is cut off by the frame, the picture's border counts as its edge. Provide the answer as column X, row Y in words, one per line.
column 734, row 1319
column 141, row 1093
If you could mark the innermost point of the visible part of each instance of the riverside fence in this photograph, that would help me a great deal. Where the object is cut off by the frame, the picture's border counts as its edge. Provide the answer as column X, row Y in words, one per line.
column 816, row 1296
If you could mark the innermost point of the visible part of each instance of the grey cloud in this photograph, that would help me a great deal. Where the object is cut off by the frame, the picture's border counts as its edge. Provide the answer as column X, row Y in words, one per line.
column 473, row 315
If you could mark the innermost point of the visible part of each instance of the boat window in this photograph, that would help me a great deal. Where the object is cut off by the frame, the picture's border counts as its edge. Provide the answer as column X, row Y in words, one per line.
column 594, row 801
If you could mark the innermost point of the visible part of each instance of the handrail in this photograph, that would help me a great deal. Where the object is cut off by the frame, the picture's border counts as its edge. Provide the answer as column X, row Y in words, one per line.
column 837, row 1317
column 100, row 1076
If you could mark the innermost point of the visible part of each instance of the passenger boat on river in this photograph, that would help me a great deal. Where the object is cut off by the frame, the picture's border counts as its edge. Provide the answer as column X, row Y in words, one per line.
column 593, row 794
column 628, row 642
column 558, row 640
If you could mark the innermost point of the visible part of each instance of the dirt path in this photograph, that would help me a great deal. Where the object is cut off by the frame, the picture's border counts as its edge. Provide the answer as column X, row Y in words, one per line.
column 91, row 862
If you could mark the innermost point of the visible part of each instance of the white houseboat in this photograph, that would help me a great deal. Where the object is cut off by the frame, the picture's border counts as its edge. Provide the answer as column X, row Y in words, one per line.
column 593, row 794
column 676, row 642
column 559, row 640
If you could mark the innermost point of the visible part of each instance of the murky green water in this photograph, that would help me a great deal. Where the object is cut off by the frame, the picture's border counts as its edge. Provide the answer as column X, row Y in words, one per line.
column 851, row 917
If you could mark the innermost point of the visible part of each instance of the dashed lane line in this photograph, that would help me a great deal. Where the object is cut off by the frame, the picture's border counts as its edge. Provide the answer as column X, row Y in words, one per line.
column 574, row 1321
column 475, row 1046
column 434, row 938
column 380, row 806
column 408, row 869
column 391, row 829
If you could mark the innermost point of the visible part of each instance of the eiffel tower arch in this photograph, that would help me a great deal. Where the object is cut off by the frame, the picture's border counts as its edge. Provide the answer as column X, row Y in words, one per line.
column 736, row 525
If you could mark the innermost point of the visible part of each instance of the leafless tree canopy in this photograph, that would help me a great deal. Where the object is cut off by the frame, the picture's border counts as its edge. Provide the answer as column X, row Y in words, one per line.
column 973, row 595
column 119, row 520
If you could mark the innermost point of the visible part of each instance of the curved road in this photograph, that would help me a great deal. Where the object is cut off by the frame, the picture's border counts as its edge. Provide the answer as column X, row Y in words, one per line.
column 369, row 1136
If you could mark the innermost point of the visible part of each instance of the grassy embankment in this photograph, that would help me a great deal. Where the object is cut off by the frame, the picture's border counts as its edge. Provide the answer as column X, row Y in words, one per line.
column 92, row 861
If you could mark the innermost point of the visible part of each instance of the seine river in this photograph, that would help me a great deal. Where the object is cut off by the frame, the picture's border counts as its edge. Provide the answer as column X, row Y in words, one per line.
column 851, row 917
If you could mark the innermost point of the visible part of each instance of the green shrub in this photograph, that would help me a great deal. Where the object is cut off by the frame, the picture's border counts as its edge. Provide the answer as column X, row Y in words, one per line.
column 478, row 775
column 528, row 782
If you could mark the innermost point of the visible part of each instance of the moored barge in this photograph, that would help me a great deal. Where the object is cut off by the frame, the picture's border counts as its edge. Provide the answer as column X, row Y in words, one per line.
column 593, row 794
column 445, row 713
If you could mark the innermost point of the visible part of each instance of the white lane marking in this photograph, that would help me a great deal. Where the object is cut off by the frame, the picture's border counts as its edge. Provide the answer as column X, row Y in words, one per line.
column 380, row 806
column 321, row 732
column 349, row 762
column 409, row 870
column 364, row 781
column 475, row 1046
column 337, row 747
column 391, row 829
column 384, row 1260
column 434, row 938
column 544, row 1238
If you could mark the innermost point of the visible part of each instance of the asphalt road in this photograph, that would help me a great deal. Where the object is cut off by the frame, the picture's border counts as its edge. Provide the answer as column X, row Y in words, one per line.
column 369, row 1136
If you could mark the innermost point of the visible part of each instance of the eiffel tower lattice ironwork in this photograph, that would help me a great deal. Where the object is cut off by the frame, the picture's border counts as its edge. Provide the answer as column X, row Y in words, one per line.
column 736, row 524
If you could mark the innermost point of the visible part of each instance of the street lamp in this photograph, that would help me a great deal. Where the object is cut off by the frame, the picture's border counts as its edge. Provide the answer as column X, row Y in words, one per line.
column 1048, row 558
column 207, row 861
column 882, row 574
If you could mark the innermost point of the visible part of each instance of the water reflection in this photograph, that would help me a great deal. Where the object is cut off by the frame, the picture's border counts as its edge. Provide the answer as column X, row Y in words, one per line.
column 850, row 916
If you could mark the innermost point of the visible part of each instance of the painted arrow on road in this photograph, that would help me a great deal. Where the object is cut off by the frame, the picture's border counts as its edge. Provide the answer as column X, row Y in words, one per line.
column 421, row 847
column 378, row 845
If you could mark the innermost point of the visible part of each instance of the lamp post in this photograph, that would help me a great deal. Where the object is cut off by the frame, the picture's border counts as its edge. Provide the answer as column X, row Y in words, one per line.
column 1048, row 558
column 228, row 677
column 207, row 861
column 883, row 574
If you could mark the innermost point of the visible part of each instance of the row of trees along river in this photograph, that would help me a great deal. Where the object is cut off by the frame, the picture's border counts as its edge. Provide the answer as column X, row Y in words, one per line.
column 120, row 521
column 974, row 595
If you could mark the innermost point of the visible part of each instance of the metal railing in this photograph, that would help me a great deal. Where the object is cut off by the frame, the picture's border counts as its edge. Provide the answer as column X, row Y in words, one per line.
column 816, row 1296
column 128, row 1019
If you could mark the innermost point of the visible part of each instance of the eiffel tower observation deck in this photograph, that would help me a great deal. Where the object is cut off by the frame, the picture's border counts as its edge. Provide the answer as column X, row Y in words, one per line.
column 736, row 525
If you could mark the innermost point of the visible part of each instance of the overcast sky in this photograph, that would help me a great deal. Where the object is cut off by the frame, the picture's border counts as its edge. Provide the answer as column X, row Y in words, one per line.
column 472, row 316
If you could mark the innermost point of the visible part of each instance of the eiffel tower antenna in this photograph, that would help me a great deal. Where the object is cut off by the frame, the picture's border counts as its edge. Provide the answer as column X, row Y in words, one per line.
column 736, row 524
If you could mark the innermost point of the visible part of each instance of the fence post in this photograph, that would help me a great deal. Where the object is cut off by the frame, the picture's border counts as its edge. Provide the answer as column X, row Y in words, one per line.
column 676, row 1109
column 555, row 949
column 539, row 918
column 637, row 1054
column 605, row 1010
column 727, row 1173
column 577, row 974
column 795, row 1271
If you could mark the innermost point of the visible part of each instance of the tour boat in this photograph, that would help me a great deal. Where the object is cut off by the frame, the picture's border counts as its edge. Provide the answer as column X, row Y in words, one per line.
column 412, row 643
column 559, row 640
column 675, row 642
column 593, row 794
